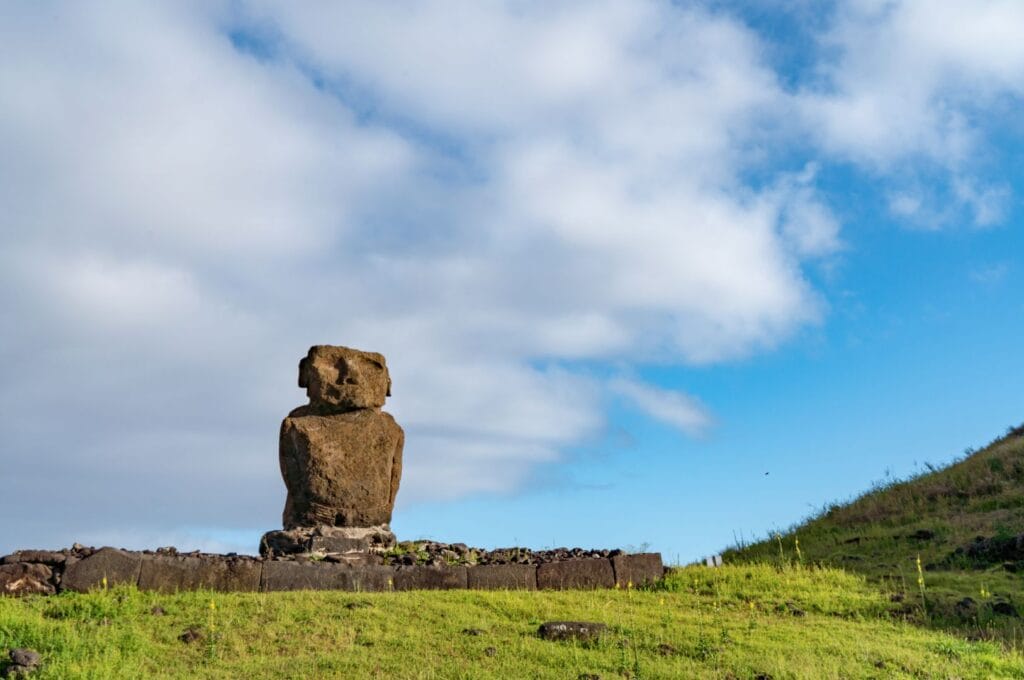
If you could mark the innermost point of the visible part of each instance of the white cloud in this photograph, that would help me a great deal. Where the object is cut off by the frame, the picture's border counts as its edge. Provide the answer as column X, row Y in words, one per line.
column 990, row 274
column 915, row 80
column 674, row 408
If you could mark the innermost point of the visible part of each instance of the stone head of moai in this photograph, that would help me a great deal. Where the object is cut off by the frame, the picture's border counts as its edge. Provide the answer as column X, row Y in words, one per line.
column 343, row 378
column 340, row 455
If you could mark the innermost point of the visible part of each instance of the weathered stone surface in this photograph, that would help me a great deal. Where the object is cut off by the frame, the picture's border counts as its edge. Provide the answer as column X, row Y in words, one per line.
column 326, row 539
column 583, row 631
column 637, row 570
column 431, row 578
column 355, row 559
column 24, row 662
column 503, row 577
column 286, row 575
column 337, row 544
column 26, row 579
column 572, row 574
column 343, row 379
column 25, row 657
column 117, row 566
column 277, row 543
column 192, row 634
column 340, row 469
column 168, row 574
column 49, row 557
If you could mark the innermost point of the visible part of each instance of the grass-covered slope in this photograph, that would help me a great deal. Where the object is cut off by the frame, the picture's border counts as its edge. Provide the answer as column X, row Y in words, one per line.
column 754, row 621
column 965, row 522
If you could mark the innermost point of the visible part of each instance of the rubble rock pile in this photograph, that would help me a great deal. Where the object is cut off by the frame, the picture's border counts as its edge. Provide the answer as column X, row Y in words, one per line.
column 441, row 554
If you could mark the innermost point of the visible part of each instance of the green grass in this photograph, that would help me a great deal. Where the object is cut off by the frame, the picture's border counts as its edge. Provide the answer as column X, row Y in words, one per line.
column 734, row 622
column 874, row 535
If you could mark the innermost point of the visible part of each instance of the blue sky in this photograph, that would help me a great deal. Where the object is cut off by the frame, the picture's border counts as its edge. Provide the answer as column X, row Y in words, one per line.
column 624, row 258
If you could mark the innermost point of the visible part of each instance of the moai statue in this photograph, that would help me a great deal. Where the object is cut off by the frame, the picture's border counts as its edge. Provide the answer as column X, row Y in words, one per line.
column 341, row 456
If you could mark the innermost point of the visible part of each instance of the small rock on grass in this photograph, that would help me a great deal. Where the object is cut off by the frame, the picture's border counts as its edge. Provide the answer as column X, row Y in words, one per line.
column 23, row 662
column 25, row 657
column 472, row 631
column 571, row 630
column 157, row 611
column 490, row 651
column 666, row 649
column 191, row 634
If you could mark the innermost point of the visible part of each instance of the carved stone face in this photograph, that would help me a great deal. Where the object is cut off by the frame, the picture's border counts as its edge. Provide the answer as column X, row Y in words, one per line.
column 344, row 379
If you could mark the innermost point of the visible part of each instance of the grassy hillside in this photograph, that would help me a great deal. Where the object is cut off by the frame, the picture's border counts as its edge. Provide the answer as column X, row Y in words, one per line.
column 756, row 621
column 966, row 524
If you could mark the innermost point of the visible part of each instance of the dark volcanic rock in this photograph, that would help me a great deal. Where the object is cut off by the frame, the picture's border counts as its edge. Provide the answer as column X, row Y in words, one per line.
column 576, row 574
column 23, row 662
column 326, row 539
column 431, row 578
column 355, row 559
column 116, row 566
column 25, row 657
column 503, row 577
column 26, row 579
column 571, row 630
column 637, row 570
column 192, row 634
column 171, row 573
column 286, row 575
column 986, row 552
column 966, row 608
column 48, row 557
column 997, row 549
column 340, row 469
column 425, row 552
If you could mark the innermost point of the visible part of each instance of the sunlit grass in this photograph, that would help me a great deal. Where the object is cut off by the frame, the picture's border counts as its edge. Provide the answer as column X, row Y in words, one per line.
column 903, row 536
column 731, row 622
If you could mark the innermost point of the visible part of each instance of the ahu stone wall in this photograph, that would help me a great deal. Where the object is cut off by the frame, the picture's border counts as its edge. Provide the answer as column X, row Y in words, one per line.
column 82, row 569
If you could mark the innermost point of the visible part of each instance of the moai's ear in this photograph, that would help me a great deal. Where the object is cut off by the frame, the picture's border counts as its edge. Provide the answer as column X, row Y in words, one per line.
column 303, row 368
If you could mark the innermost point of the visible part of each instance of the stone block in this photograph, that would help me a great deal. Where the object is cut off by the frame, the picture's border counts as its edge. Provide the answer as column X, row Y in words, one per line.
column 117, row 566
column 355, row 559
column 586, row 573
column 344, row 379
column 637, row 569
column 48, row 557
column 420, row 577
column 326, row 539
column 25, row 578
column 277, row 542
column 287, row 575
column 503, row 577
column 172, row 573
column 338, row 544
column 340, row 470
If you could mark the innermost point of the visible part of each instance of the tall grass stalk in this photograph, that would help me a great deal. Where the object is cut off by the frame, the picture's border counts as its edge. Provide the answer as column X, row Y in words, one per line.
column 920, row 585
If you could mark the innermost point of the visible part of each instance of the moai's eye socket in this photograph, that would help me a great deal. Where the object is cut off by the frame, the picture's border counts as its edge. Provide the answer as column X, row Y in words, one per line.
column 346, row 376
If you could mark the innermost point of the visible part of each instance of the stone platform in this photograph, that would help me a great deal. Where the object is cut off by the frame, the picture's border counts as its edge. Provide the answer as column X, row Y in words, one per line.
column 82, row 569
